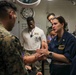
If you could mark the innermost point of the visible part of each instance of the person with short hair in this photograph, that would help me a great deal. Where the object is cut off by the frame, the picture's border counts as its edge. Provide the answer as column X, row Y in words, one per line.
column 33, row 38
column 50, row 16
column 12, row 59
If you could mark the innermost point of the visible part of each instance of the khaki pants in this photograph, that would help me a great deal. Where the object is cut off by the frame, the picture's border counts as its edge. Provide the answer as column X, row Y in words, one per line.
column 37, row 66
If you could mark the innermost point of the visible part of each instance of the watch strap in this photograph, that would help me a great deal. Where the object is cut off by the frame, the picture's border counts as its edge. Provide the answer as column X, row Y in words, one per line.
column 50, row 55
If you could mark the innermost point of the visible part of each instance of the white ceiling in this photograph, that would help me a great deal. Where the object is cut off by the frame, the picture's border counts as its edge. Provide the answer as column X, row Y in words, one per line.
column 58, row 2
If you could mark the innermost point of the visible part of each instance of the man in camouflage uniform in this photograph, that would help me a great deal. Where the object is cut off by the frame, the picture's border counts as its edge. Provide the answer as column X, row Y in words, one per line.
column 11, row 51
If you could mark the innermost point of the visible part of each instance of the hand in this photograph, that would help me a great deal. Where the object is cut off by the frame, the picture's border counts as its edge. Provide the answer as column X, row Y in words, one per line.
column 39, row 73
column 42, row 51
column 28, row 67
column 42, row 57
column 39, row 56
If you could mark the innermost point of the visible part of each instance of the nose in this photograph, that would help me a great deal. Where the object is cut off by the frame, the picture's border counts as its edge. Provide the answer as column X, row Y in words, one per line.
column 53, row 26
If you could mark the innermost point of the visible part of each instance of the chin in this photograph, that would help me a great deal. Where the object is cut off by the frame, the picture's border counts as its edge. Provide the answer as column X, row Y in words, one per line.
column 9, row 29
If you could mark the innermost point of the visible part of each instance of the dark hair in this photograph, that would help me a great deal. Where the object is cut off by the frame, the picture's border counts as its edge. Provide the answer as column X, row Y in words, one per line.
column 4, row 6
column 30, row 19
column 50, row 15
column 61, row 20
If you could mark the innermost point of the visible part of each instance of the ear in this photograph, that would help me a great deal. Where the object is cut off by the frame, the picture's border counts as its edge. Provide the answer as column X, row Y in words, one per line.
column 11, row 14
column 63, row 24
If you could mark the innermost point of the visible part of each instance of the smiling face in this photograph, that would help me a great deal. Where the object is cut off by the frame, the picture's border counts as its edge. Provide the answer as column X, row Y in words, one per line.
column 57, row 26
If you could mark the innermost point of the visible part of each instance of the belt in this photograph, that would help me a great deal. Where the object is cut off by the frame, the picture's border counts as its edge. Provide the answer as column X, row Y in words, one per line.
column 30, row 50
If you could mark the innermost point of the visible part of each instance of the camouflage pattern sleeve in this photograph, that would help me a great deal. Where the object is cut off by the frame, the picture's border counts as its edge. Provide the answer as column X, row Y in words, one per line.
column 10, row 57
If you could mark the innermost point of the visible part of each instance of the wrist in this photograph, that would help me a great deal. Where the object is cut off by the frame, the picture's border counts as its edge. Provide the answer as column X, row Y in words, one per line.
column 50, row 54
column 36, row 56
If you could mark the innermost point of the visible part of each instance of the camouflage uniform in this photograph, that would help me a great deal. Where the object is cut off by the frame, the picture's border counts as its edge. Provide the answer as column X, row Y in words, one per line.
column 36, row 66
column 11, row 62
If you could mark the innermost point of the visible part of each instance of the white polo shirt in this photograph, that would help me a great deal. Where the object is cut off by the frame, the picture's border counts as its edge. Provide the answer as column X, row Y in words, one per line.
column 32, row 40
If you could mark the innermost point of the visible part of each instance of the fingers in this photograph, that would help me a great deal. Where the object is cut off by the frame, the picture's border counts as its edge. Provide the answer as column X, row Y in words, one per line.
column 42, row 51
column 28, row 67
column 39, row 73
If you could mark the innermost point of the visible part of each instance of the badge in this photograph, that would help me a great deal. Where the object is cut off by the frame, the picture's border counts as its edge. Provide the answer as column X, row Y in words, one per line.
column 61, row 47
column 36, row 33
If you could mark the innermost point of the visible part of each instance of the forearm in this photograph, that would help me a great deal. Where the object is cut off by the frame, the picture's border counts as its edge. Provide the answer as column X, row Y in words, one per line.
column 53, row 55
column 44, row 45
column 59, row 57
column 30, row 59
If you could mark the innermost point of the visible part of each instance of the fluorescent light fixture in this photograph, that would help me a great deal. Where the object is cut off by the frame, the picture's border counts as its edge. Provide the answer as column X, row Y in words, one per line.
column 37, row 2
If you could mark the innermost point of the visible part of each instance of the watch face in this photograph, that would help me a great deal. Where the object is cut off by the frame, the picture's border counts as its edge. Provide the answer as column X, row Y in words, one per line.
column 26, row 12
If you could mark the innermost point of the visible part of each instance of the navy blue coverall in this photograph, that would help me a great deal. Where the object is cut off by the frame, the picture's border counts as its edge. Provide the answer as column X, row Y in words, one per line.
column 67, row 47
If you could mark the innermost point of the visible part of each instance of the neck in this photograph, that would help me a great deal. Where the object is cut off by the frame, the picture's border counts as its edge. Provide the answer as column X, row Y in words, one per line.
column 60, row 34
column 30, row 29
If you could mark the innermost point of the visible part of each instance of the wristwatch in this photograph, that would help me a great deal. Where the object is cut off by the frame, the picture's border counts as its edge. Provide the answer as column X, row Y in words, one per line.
column 26, row 12
column 50, row 55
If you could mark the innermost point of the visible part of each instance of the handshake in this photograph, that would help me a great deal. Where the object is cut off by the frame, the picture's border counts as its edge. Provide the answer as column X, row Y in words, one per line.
column 42, row 54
